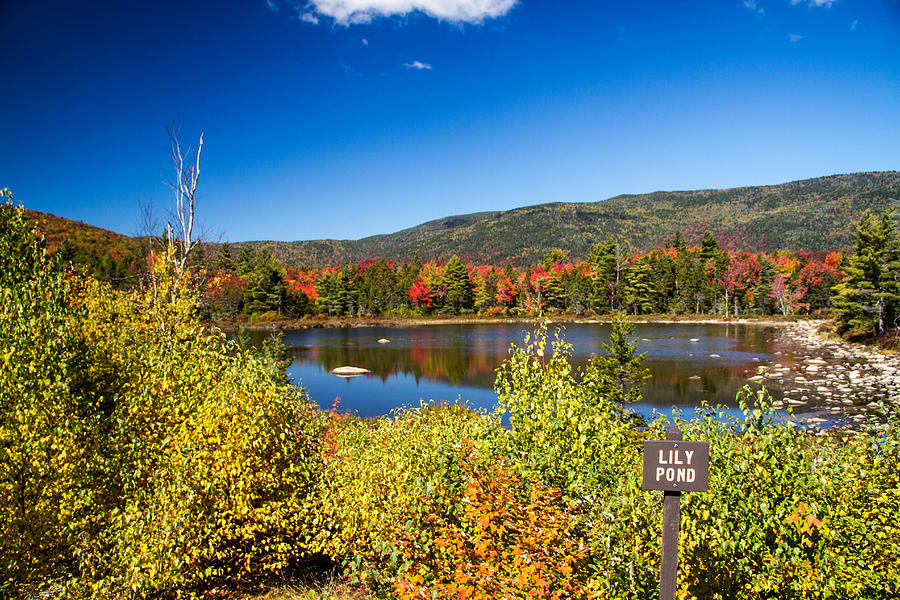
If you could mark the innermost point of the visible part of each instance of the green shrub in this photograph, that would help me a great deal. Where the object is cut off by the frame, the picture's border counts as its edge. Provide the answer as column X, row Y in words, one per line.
column 563, row 430
column 140, row 453
column 52, row 409
column 382, row 473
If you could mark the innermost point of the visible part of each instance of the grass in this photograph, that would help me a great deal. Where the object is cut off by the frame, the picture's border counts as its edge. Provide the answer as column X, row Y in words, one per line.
column 329, row 589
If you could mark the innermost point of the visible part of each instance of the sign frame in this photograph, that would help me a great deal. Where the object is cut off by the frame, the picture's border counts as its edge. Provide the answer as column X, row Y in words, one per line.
column 676, row 466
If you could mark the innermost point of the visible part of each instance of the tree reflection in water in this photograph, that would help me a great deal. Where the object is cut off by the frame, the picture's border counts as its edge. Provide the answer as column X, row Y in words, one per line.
column 461, row 359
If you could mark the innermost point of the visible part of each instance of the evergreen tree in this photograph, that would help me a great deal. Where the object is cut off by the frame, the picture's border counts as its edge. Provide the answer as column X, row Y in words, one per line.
column 334, row 293
column 867, row 301
column 762, row 291
column 67, row 253
column 377, row 288
column 458, row 295
column 554, row 292
column 408, row 276
column 663, row 281
column 265, row 290
column 619, row 374
column 689, row 273
column 579, row 291
column 602, row 258
column 483, row 296
column 244, row 261
column 222, row 261
column 709, row 246
column 553, row 256
column 638, row 295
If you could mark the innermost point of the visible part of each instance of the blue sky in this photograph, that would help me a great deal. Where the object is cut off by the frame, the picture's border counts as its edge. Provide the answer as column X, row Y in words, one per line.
column 347, row 118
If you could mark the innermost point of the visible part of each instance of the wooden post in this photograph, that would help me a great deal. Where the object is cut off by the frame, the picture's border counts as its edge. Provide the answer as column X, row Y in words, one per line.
column 670, row 525
column 673, row 466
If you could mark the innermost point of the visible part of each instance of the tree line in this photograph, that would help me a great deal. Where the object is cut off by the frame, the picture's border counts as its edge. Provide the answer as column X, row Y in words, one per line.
column 858, row 287
column 675, row 279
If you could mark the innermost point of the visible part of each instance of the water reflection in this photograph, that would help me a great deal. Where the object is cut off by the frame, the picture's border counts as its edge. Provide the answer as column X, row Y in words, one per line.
column 450, row 362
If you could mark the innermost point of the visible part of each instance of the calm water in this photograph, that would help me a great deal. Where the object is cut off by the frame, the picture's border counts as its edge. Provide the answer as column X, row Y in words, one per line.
column 457, row 362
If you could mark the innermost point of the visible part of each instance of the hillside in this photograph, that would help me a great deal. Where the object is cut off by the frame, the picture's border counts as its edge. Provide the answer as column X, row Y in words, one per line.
column 108, row 255
column 812, row 214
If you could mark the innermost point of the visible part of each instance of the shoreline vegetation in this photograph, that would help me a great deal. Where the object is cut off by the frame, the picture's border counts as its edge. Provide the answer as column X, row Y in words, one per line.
column 280, row 324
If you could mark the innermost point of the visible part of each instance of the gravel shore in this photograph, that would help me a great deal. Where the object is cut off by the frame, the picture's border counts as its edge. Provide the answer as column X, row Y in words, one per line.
column 829, row 380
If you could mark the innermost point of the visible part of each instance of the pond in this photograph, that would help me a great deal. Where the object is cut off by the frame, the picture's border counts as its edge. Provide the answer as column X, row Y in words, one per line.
column 689, row 363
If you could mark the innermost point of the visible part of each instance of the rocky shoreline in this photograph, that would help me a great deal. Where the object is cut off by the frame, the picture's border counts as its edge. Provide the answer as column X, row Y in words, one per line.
column 829, row 381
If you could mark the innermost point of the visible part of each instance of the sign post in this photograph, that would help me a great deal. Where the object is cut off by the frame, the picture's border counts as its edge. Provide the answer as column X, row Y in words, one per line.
column 673, row 466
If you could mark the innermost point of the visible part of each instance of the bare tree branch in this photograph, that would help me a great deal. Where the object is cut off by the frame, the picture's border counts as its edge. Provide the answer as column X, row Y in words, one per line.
column 187, row 175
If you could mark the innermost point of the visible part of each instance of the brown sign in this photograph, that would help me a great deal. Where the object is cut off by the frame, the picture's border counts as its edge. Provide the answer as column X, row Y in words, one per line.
column 676, row 466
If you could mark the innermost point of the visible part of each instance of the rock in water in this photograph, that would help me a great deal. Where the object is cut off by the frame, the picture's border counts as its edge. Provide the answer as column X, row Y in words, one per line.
column 349, row 371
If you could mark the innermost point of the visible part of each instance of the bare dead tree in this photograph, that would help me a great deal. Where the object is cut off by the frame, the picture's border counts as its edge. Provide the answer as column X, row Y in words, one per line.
column 187, row 175
column 148, row 232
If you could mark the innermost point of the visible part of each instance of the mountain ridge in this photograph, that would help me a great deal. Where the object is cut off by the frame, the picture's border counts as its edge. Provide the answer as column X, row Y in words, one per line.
column 807, row 214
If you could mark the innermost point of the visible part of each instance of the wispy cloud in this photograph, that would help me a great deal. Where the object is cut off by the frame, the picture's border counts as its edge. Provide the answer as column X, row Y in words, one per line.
column 754, row 6
column 817, row 3
column 795, row 38
column 353, row 12
column 419, row 65
column 308, row 17
column 272, row 5
column 348, row 69
column 365, row 42
column 854, row 24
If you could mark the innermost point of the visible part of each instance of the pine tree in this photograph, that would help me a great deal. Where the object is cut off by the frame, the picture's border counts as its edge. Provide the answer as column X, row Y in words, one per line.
column 709, row 247
column 265, row 290
column 552, row 257
column 603, row 260
column 334, row 293
column 639, row 287
column 578, row 290
column 458, row 296
column 619, row 375
column 244, row 261
column 868, row 300
column 223, row 262
column 407, row 278
column 483, row 296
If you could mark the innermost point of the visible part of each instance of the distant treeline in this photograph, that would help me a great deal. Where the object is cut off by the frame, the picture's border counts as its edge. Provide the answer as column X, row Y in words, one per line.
column 676, row 279
column 860, row 287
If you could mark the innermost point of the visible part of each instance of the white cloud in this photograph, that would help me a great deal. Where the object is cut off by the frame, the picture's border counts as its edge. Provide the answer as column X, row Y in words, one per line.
column 854, row 24
column 273, row 6
column 417, row 64
column 308, row 17
column 754, row 6
column 350, row 12
column 795, row 38
column 818, row 3
column 365, row 42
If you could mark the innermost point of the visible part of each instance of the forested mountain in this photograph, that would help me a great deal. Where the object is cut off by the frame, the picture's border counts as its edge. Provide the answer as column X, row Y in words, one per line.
column 811, row 214
column 108, row 255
